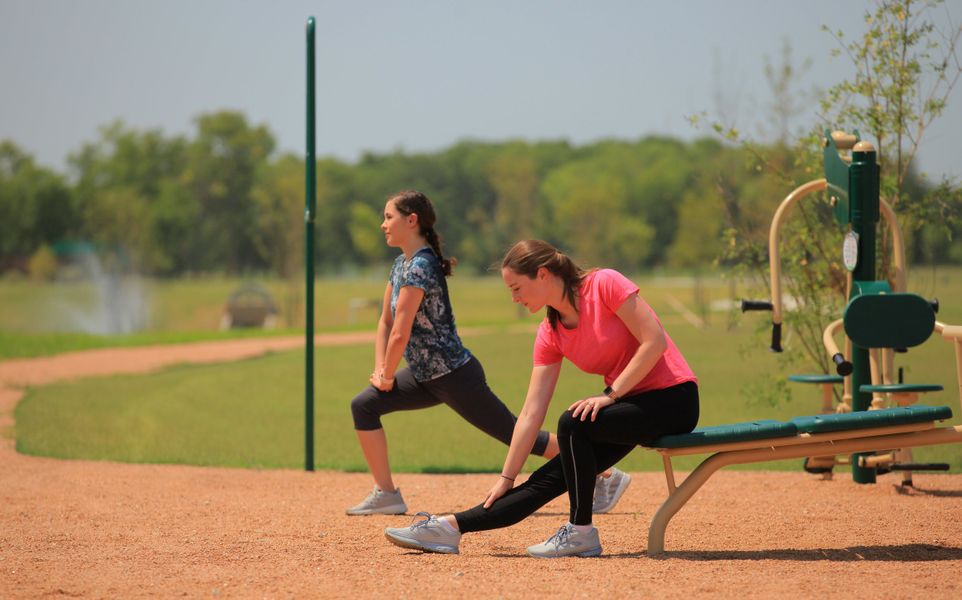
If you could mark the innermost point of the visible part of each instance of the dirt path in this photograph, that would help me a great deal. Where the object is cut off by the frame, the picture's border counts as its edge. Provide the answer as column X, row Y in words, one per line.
column 109, row 530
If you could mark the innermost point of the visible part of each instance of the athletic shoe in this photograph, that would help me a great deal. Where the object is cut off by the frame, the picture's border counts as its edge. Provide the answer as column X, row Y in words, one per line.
column 429, row 535
column 568, row 542
column 608, row 490
column 379, row 502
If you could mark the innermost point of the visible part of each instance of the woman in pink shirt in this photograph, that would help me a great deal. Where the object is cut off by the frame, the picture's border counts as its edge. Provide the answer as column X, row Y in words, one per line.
column 597, row 320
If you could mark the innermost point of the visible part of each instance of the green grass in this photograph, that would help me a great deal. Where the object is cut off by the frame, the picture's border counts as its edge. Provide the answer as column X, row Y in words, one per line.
column 38, row 319
column 35, row 317
column 197, row 304
column 30, row 345
column 250, row 414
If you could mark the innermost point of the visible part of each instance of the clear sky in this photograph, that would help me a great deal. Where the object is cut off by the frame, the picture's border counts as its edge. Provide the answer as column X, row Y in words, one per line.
column 417, row 75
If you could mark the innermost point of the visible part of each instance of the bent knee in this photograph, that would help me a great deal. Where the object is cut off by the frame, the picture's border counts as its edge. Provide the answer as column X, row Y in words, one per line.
column 568, row 424
column 363, row 409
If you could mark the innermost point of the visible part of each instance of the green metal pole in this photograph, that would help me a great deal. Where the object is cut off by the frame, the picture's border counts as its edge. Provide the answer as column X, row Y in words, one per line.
column 864, row 206
column 310, row 207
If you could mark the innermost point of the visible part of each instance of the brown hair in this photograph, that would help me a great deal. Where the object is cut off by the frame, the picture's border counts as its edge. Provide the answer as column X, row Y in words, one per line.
column 527, row 256
column 413, row 202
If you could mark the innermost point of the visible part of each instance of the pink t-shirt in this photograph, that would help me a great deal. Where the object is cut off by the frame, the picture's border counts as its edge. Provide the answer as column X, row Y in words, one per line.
column 601, row 343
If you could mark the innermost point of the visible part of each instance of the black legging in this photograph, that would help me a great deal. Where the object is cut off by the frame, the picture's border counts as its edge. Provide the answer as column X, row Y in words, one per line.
column 464, row 389
column 587, row 449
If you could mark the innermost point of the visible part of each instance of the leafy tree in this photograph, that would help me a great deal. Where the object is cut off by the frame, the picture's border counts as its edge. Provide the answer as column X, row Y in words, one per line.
column 36, row 205
column 224, row 161
column 124, row 157
column 336, row 191
column 123, row 186
column 658, row 172
column 174, row 242
column 591, row 216
column 698, row 241
column 118, row 218
column 279, row 212
column 365, row 231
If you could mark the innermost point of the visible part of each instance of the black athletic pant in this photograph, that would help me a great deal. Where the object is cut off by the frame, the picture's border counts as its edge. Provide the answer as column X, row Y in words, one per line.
column 587, row 449
column 464, row 389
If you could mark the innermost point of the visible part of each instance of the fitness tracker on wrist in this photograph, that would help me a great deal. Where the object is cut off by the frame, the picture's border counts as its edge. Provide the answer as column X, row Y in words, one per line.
column 610, row 393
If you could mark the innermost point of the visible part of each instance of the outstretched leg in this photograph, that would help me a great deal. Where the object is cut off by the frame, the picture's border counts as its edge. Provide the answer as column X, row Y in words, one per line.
column 466, row 391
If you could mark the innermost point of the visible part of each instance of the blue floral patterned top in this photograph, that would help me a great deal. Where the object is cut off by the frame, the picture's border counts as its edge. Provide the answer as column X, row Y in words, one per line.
column 434, row 348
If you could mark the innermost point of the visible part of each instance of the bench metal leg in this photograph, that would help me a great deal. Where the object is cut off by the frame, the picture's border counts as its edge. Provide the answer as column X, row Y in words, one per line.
column 681, row 495
column 669, row 473
column 697, row 478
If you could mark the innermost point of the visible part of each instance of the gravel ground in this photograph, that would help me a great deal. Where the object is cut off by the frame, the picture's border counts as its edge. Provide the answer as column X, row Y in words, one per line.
column 109, row 530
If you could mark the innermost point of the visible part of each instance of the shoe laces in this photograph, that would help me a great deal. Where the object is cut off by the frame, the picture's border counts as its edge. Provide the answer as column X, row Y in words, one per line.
column 375, row 493
column 429, row 519
column 561, row 537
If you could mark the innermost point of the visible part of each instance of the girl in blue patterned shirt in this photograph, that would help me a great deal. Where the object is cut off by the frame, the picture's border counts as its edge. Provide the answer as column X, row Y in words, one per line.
column 417, row 321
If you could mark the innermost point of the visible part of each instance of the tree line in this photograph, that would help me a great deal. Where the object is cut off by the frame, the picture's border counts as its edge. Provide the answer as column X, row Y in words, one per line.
column 222, row 200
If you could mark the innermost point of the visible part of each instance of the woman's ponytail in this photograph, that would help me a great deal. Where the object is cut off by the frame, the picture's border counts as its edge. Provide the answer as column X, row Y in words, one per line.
column 447, row 264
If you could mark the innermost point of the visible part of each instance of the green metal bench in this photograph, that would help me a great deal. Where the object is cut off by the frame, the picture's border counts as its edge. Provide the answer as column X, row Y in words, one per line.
column 761, row 441
column 825, row 434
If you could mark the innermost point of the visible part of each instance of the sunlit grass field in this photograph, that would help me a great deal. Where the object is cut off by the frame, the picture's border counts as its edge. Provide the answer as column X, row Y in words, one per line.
column 250, row 414
column 39, row 318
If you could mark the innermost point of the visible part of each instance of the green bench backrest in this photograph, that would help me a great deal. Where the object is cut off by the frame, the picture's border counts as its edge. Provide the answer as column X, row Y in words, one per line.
column 889, row 320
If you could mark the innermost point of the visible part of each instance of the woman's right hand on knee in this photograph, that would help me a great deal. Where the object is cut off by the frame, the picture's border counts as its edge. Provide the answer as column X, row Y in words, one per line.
column 378, row 381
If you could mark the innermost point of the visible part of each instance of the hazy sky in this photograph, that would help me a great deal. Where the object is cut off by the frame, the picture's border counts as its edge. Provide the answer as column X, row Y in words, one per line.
column 417, row 75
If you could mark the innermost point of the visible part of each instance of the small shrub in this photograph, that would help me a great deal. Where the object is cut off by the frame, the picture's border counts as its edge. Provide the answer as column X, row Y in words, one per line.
column 43, row 264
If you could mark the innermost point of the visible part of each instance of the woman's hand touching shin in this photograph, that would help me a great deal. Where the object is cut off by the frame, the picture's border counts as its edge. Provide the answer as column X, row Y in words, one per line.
column 497, row 490
column 540, row 389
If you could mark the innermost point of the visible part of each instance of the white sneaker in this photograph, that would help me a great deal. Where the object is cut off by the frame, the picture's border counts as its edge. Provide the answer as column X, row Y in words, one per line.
column 568, row 542
column 608, row 490
column 429, row 535
column 379, row 502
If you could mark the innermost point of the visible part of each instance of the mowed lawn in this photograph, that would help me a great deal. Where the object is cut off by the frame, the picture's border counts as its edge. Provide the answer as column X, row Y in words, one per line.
column 250, row 414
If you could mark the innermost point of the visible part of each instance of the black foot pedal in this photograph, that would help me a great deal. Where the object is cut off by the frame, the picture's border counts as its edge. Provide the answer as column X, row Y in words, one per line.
column 815, row 470
column 921, row 467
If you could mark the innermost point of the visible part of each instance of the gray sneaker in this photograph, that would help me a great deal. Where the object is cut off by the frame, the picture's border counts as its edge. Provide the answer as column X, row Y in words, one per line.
column 428, row 535
column 379, row 502
column 568, row 542
column 608, row 490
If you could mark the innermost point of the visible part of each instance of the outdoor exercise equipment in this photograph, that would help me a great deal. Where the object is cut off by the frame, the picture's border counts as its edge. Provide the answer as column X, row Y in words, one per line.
column 876, row 318
column 852, row 183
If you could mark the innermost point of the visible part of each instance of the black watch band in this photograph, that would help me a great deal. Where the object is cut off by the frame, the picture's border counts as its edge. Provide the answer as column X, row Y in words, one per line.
column 610, row 393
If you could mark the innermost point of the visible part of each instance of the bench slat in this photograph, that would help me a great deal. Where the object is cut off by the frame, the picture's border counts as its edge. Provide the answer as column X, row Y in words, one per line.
column 872, row 418
column 721, row 434
column 770, row 429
